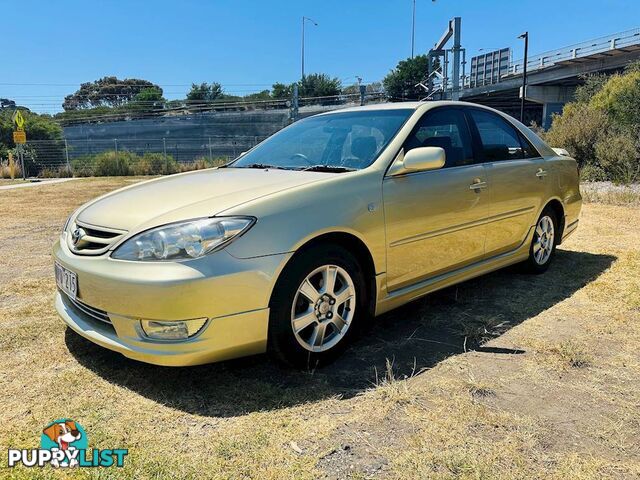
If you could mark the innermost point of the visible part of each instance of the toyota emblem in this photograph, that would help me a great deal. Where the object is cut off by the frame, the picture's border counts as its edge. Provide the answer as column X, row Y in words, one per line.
column 77, row 235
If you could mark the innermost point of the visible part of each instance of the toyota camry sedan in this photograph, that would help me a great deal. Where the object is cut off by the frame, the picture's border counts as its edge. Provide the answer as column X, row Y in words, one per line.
column 303, row 240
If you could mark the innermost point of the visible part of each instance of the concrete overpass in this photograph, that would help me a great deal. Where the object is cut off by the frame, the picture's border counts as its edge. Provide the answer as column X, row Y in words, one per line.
column 552, row 77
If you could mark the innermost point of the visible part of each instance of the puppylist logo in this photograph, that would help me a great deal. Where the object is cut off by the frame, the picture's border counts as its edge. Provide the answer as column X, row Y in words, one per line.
column 64, row 443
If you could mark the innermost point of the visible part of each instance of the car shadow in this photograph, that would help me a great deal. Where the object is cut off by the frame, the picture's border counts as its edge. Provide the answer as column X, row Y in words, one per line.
column 414, row 337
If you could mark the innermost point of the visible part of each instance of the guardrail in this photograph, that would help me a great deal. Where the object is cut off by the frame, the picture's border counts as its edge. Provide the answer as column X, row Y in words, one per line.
column 579, row 50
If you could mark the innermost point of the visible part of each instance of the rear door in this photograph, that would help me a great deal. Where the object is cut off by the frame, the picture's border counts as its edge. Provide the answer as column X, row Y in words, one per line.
column 517, row 179
column 435, row 219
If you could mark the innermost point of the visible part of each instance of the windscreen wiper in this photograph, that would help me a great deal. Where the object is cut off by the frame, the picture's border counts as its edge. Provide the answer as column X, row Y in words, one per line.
column 328, row 168
column 263, row 166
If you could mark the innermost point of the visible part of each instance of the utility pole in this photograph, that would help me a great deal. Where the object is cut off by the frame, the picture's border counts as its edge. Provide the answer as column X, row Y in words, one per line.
column 294, row 103
column 304, row 19
column 525, row 35
column 413, row 28
column 362, row 89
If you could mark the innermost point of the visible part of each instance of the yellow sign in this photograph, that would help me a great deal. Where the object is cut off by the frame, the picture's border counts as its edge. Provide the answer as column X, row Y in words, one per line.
column 18, row 119
column 19, row 136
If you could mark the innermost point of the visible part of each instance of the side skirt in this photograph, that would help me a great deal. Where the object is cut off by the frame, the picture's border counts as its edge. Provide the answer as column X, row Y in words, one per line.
column 390, row 300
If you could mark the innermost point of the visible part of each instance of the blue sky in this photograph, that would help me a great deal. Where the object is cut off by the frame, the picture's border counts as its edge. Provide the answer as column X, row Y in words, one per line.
column 50, row 47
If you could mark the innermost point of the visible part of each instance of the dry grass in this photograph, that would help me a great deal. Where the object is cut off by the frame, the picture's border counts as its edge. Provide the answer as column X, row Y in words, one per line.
column 8, row 181
column 608, row 193
column 553, row 393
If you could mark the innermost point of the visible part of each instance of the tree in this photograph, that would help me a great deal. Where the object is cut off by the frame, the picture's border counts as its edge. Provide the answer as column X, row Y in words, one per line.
column 281, row 91
column 400, row 83
column 204, row 92
column 149, row 99
column 150, row 94
column 319, row 85
column 107, row 92
column 6, row 103
column 37, row 127
column 619, row 97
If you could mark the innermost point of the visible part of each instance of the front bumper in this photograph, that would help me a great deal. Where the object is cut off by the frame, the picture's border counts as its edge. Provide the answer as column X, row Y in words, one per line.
column 233, row 293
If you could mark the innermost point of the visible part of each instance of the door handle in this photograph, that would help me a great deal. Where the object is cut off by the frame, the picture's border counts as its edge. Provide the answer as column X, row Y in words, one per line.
column 477, row 184
column 541, row 173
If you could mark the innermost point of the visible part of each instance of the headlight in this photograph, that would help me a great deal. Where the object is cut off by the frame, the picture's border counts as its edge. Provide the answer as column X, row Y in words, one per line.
column 191, row 239
column 66, row 224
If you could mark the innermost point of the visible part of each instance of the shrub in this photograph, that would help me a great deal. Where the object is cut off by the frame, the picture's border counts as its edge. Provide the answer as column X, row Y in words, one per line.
column 617, row 153
column 56, row 172
column 578, row 129
column 113, row 164
column 601, row 129
column 153, row 164
column 10, row 170
column 619, row 97
column 83, row 166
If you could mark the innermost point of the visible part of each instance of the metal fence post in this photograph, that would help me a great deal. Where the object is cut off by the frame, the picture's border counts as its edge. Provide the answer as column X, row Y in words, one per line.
column 210, row 153
column 21, row 158
column 66, row 153
column 164, row 152
column 115, row 142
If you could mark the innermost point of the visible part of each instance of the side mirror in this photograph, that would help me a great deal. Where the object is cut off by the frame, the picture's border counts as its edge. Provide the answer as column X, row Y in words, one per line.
column 424, row 158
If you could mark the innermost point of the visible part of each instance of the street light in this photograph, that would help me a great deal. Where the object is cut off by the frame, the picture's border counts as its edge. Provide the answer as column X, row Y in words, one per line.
column 525, row 36
column 413, row 27
column 304, row 19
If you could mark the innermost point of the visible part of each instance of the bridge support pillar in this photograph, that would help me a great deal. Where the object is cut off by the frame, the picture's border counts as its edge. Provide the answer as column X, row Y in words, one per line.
column 552, row 98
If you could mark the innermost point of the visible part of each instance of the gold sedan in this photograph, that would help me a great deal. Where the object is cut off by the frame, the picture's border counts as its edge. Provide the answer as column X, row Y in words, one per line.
column 301, row 241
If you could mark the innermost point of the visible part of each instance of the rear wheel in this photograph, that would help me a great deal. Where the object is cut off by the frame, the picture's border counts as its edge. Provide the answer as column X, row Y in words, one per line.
column 543, row 245
column 316, row 306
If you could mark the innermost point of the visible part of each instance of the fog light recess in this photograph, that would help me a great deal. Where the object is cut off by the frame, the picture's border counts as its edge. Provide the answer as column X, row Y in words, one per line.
column 178, row 330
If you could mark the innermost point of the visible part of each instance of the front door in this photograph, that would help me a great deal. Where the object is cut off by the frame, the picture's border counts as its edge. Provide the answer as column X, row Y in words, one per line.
column 435, row 219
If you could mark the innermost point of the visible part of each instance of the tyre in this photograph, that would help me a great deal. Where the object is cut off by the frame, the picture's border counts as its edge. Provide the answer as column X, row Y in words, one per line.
column 543, row 245
column 317, row 306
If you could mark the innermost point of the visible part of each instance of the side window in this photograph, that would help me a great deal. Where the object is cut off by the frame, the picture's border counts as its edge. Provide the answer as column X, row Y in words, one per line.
column 446, row 128
column 500, row 140
column 528, row 149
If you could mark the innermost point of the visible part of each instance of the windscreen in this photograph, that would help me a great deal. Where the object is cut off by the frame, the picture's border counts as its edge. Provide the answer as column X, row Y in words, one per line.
column 349, row 140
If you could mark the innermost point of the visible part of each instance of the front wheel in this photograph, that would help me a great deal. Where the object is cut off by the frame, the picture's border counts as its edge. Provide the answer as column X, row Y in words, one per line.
column 543, row 245
column 316, row 306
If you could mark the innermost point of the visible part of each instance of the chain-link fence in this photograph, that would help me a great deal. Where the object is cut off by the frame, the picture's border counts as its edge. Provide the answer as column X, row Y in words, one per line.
column 131, row 156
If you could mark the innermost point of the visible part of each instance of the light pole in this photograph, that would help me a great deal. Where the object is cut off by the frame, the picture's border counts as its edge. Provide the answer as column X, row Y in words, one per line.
column 413, row 28
column 304, row 19
column 525, row 35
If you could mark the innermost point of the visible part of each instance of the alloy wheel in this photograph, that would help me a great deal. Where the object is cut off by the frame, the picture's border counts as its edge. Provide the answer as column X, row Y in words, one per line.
column 544, row 240
column 323, row 308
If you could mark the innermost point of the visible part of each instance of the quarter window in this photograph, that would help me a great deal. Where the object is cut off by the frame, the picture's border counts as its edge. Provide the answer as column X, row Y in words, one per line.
column 500, row 140
column 445, row 128
column 528, row 149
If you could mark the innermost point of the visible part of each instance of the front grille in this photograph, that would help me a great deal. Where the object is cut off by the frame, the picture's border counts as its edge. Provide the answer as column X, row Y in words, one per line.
column 92, row 312
column 85, row 239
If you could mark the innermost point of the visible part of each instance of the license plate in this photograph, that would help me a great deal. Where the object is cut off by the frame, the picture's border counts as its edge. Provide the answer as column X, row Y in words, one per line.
column 66, row 280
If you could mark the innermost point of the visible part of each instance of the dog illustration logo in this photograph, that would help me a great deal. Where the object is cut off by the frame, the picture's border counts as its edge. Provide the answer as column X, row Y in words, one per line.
column 64, row 435
column 63, row 443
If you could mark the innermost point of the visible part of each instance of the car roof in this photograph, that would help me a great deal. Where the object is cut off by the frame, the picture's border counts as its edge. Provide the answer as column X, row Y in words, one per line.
column 402, row 106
